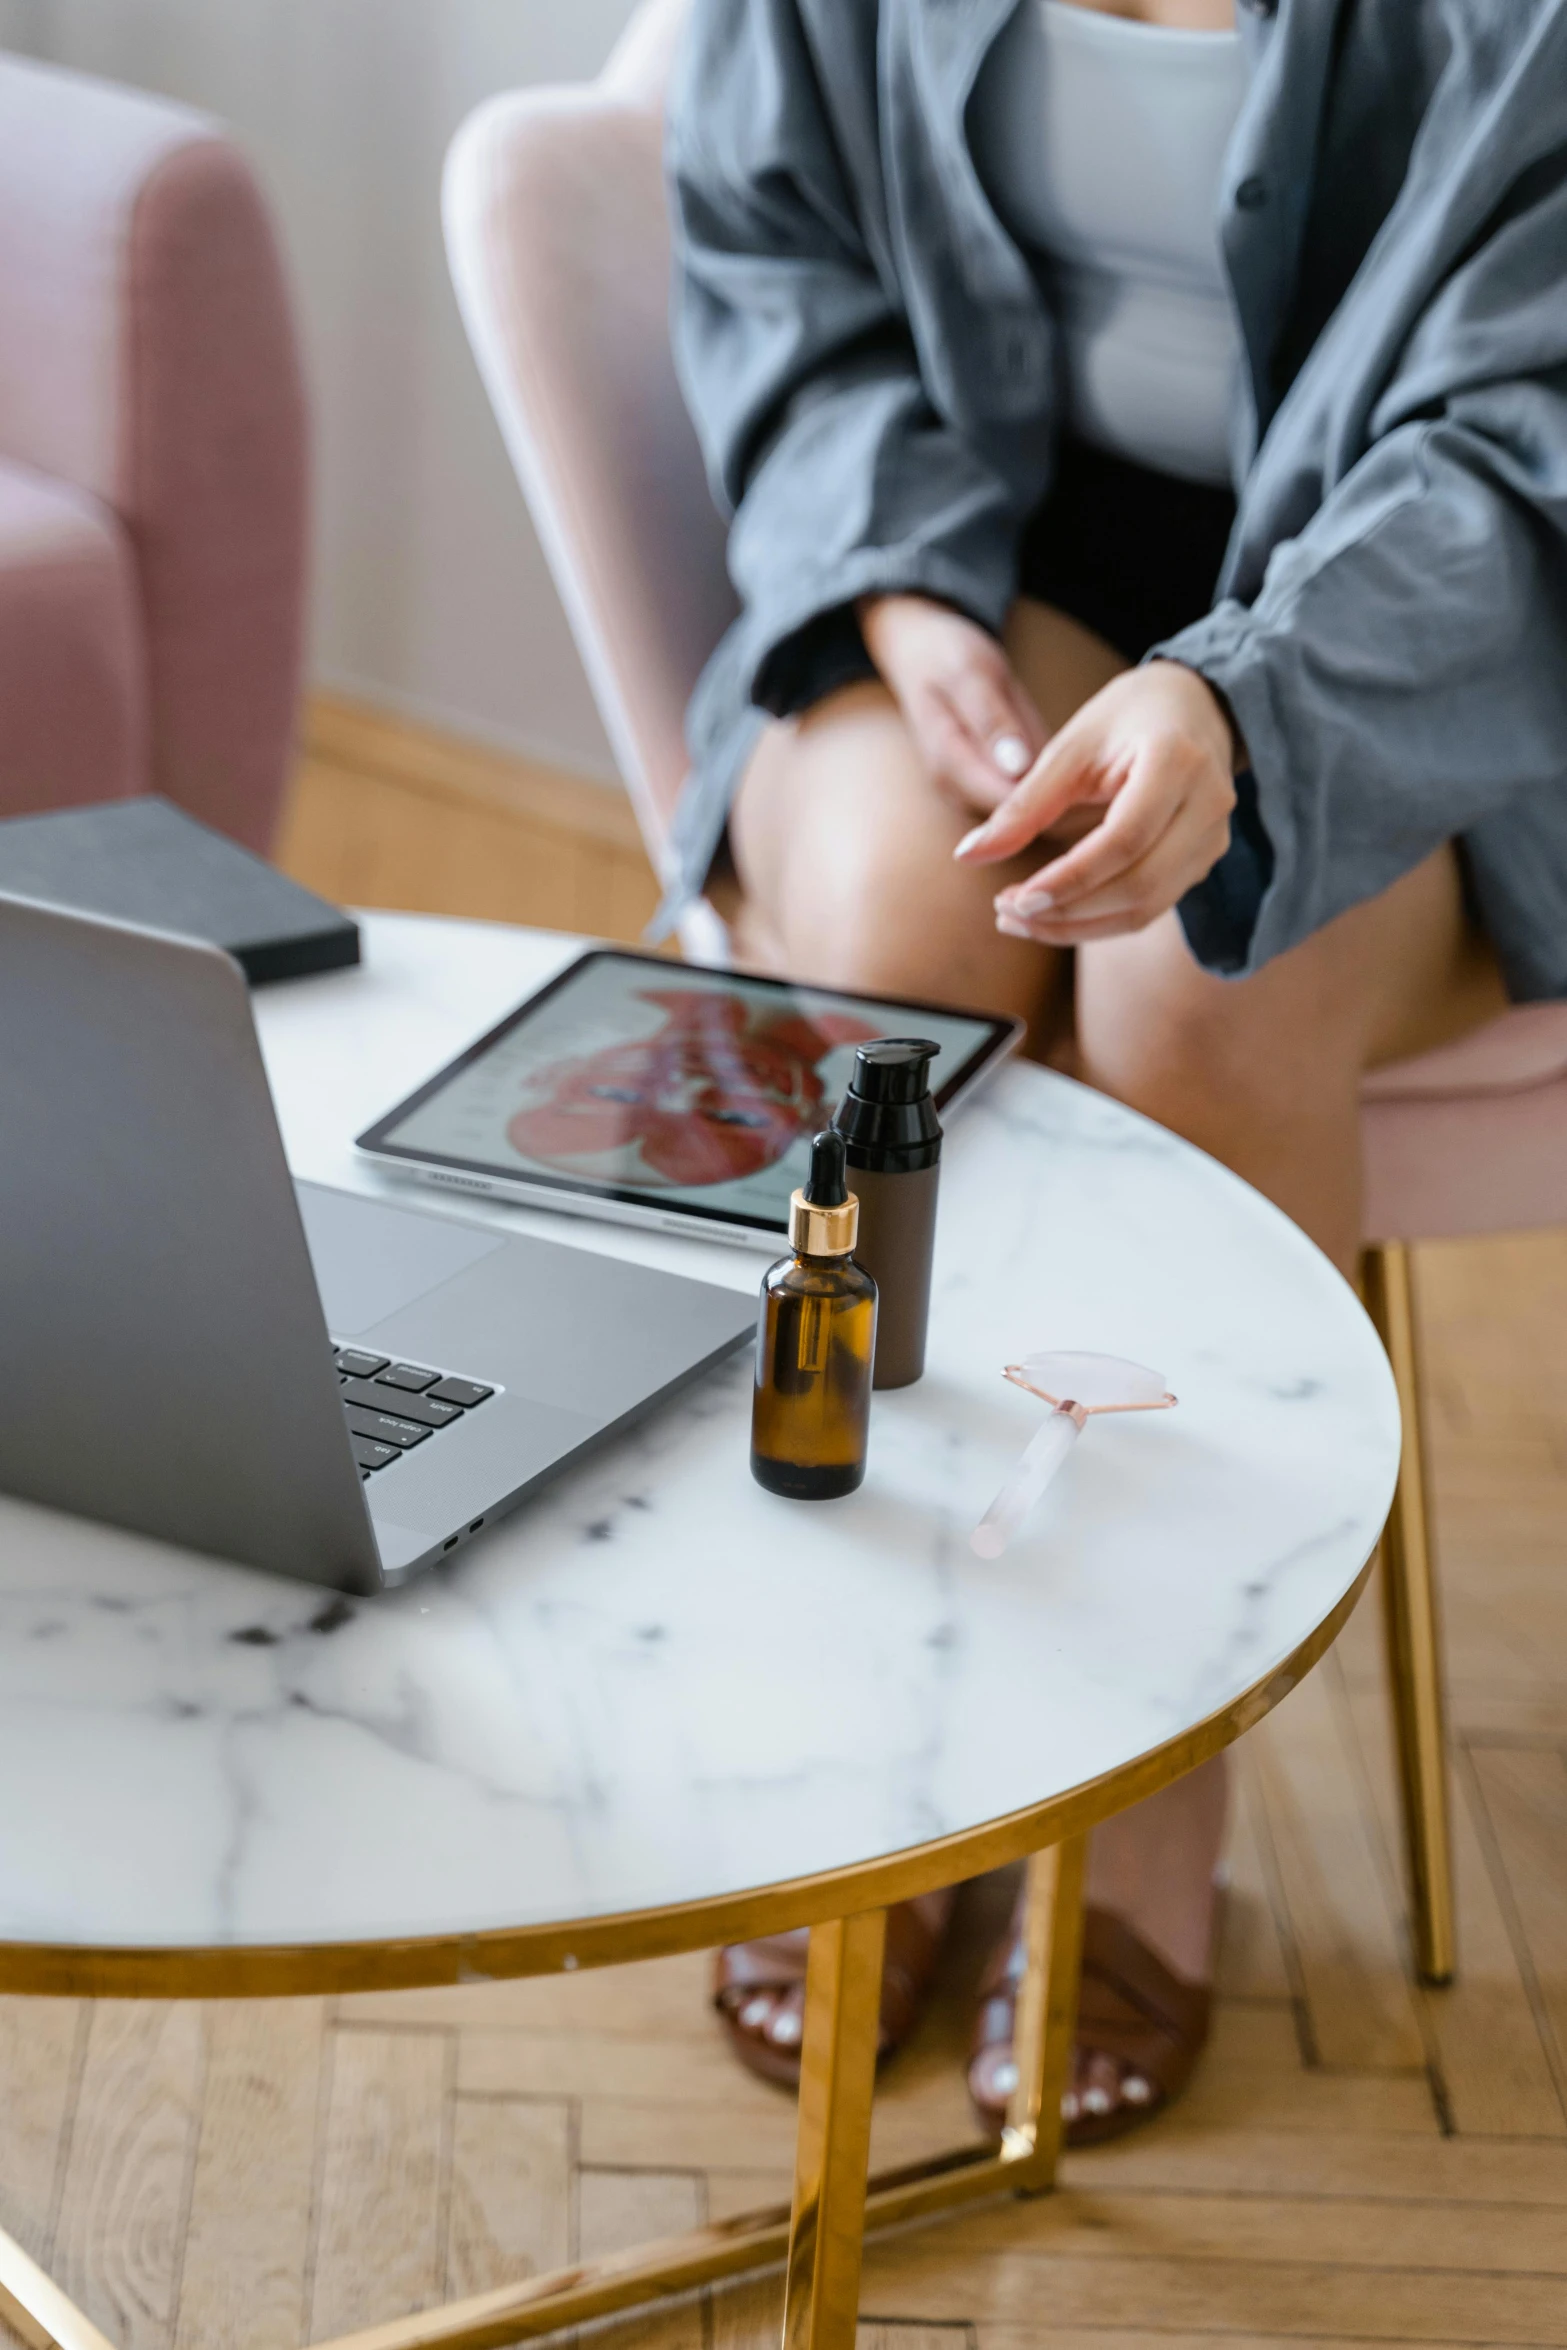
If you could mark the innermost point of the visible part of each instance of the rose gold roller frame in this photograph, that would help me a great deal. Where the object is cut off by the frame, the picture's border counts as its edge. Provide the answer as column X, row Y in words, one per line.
column 1050, row 1444
column 1084, row 1411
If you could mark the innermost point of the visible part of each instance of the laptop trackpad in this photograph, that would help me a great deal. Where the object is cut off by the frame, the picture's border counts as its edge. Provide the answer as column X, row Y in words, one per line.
column 372, row 1259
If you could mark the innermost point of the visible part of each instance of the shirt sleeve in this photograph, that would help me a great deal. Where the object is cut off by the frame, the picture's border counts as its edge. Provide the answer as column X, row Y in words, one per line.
column 1401, row 674
column 799, row 367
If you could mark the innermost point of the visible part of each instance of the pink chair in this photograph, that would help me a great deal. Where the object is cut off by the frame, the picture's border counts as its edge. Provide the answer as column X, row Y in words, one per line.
column 559, row 246
column 1467, row 1140
column 152, row 461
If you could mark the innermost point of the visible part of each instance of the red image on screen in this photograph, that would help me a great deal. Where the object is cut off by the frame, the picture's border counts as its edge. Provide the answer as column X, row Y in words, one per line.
column 720, row 1091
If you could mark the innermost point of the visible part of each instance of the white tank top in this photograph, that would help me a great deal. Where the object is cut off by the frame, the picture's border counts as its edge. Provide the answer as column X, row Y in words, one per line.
column 1101, row 142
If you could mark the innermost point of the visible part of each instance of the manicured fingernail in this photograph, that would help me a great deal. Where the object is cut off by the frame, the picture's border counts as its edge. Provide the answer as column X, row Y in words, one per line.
column 971, row 840
column 1033, row 901
column 1010, row 753
column 1010, row 927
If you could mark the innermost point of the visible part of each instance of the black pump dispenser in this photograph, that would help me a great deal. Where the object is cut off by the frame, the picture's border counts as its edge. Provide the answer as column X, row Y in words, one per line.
column 893, row 1138
column 887, row 1117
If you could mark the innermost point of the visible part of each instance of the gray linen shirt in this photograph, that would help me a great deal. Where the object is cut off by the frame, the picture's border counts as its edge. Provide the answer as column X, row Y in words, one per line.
column 872, row 366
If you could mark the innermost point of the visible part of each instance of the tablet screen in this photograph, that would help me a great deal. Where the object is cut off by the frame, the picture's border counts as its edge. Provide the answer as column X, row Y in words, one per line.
column 668, row 1085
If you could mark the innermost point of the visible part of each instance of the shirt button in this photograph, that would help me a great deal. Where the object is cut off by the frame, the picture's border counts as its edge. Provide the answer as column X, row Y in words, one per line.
column 1251, row 195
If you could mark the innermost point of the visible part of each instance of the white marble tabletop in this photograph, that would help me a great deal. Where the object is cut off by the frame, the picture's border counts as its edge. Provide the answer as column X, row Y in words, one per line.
column 655, row 1683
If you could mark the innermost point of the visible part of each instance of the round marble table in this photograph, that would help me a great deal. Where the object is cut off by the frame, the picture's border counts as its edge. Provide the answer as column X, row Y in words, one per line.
column 657, row 1707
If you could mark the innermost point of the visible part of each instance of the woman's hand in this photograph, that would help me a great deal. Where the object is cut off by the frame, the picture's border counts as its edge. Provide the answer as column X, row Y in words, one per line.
column 1155, row 749
column 970, row 718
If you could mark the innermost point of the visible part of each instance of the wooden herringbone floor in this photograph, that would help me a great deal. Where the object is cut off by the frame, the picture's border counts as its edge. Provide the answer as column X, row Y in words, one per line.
column 1358, row 2161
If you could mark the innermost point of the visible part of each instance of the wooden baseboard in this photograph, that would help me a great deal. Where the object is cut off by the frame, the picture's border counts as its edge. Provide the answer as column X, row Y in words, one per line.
column 386, row 811
column 368, row 740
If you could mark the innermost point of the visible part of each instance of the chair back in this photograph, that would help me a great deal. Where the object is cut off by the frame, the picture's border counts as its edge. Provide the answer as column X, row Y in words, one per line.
column 557, row 233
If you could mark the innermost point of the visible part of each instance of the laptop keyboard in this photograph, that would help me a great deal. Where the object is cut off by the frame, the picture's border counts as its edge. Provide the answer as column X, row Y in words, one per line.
column 392, row 1407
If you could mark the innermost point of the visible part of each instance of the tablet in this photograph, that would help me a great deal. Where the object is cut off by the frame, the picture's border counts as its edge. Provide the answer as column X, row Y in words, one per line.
column 658, row 1093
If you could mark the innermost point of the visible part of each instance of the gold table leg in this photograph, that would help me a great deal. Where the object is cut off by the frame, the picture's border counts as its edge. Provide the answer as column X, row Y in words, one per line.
column 832, row 2149
column 34, row 2306
column 1046, row 2011
column 834, row 2208
column 1413, row 1629
column 823, row 2235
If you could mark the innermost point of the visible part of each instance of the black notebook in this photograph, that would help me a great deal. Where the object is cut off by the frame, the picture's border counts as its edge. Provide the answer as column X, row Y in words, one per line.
column 145, row 860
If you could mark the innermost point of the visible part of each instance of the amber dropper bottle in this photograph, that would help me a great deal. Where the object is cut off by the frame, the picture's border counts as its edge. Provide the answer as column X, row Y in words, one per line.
column 815, row 1343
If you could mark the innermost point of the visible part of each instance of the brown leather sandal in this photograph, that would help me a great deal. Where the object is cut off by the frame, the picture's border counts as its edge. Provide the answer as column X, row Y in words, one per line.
column 1131, row 2007
column 755, row 1983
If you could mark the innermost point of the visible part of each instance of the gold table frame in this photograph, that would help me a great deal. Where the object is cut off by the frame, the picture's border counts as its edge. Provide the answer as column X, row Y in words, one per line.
column 821, row 2235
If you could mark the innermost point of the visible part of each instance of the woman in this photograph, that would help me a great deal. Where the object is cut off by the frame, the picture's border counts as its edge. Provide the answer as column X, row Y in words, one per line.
column 1146, row 442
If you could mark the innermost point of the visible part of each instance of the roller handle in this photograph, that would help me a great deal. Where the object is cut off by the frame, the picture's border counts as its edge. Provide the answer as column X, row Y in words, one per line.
column 1023, row 1488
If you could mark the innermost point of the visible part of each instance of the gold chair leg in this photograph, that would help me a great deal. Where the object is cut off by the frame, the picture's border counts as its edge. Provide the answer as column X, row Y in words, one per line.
column 832, row 2156
column 34, row 2306
column 1413, row 1628
column 1046, row 2011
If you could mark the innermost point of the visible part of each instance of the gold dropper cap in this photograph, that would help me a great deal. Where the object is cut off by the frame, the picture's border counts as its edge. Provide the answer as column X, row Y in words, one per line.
column 824, row 1215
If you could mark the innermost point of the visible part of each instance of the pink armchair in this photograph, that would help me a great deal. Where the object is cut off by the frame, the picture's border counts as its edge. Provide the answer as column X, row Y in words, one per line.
column 152, row 461
column 559, row 248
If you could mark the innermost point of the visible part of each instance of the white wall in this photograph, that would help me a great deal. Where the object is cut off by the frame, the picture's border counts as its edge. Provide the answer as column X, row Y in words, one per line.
column 430, row 591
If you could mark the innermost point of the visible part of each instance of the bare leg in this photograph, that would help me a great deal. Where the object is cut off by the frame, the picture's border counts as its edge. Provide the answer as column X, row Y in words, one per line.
column 1265, row 1072
column 843, row 846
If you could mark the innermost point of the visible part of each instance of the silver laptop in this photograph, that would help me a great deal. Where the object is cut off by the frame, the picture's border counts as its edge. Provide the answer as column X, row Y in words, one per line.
column 195, row 1346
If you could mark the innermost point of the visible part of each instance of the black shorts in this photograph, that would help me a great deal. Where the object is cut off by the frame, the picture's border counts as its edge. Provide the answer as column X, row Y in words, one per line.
column 1131, row 553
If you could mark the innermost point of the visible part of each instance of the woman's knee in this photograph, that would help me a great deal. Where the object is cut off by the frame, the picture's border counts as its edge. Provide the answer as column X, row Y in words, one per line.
column 1196, row 1051
column 820, row 827
column 843, row 846
column 1143, row 1017
column 1390, row 977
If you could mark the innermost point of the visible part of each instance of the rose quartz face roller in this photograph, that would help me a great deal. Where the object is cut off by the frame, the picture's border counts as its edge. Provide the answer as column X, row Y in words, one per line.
column 1077, row 1387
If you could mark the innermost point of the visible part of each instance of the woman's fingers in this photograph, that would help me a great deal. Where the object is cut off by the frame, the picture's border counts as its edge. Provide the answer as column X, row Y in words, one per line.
column 955, row 756
column 1139, row 897
column 1171, row 779
column 1141, row 812
column 991, row 703
column 1132, row 896
column 1160, row 718
column 996, row 716
column 1067, row 770
column 977, row 735
column 971, row 717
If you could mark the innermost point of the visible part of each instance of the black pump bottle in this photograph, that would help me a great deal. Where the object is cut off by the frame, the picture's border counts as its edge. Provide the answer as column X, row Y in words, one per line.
column 893, row 1137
